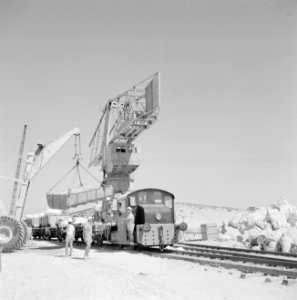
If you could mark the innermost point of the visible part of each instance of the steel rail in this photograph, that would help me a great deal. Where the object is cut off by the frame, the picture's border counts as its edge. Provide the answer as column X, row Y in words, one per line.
column 243, row 267
column 243, row 262
column 219, row 256
column 271, row 261
column 261, row 252
column 275, row 258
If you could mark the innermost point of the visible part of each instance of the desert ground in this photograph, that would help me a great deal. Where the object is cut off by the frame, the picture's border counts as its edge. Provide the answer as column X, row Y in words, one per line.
column 41, row 271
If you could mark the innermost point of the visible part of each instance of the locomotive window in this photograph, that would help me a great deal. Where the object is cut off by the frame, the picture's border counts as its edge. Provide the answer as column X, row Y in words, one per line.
column 157, row 196
column 132, row 201
column 142, row 197
column 168, row 201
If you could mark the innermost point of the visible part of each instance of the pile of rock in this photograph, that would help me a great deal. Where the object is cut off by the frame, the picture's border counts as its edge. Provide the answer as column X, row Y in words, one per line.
column 269, row 229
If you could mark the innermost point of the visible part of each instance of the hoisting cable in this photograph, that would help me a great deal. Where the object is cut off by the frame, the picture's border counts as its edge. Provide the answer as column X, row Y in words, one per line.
column 73, row 181
column 77, row 157
column 77, row 170
column 77, row 148
column 89, row 173
column 62, row 178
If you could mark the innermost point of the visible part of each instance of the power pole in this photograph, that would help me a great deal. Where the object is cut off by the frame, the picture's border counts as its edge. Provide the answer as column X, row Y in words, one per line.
column 17, row 173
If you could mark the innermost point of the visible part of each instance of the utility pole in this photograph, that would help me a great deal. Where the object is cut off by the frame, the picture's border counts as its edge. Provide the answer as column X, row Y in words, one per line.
column 17, row 173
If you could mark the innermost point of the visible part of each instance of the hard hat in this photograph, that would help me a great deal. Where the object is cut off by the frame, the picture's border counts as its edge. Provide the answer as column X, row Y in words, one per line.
column 70, row 221
column 129, row 208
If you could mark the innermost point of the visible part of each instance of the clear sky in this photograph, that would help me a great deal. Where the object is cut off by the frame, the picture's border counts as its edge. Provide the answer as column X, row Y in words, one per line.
column 227, row 132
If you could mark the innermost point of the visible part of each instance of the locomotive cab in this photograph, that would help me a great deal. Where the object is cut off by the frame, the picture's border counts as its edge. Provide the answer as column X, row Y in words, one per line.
column 153, row 210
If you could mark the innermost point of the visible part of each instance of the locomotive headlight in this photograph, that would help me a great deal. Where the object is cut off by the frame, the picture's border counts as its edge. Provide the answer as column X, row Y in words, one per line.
column 158, row 216
column 183, row 226
column 146, row 227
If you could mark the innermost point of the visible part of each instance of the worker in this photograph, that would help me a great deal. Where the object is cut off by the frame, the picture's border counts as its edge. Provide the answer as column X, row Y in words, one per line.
column 30, row 235
column 70, row 232
column 97, row 214
column 130, row 225
column 88, row 236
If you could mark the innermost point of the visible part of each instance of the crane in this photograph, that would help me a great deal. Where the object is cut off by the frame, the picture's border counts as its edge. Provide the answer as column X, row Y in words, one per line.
column 11, row 227
column 17, row 173
column 124, row 118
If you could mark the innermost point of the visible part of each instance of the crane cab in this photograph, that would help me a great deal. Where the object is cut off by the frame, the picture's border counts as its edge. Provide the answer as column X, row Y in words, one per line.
column 121, row 158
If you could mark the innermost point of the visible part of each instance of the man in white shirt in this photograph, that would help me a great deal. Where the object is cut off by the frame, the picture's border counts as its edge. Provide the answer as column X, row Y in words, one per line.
column 130, row 225
column 70, row 232
column 88, row 236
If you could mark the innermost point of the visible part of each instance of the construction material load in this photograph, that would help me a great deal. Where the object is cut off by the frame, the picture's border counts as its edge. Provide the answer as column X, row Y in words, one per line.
column 62, row 221
column 36, row 220
column 28, row 220
column 78, row 196
column 53, row 212
column 49, row 220
column 79, row 221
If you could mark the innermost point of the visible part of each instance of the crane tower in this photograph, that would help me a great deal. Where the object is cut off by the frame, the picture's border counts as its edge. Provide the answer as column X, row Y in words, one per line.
column 124, row 118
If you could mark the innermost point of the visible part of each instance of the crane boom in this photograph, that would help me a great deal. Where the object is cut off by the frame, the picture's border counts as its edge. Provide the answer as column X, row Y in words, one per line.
column 17, row 173
column 124, row 118
column 36, row 160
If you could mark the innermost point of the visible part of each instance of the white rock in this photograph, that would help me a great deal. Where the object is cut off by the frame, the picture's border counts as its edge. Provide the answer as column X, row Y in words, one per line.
column 256, row 218
column 288, row 240
column 230, row 234
column 274, row 235
column 283, row 206
column 239, row 219
column 276, row 218
column 286, row 243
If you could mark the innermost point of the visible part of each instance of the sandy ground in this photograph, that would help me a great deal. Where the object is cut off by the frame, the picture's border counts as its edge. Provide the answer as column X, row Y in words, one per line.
column 42, row 272
column 194, row 215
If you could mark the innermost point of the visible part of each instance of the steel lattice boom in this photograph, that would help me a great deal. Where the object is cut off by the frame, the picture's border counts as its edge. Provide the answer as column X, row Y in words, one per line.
column 124, row 118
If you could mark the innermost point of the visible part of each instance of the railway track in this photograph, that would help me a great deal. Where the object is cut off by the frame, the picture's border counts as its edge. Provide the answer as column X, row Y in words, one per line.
column 238, row 250
column 243, row 260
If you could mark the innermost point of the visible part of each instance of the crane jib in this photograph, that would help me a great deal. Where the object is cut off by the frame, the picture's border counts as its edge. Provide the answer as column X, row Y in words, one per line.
column 126, row 116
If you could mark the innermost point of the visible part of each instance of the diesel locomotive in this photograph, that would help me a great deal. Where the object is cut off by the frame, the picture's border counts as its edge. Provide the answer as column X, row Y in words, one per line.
column 154, row 215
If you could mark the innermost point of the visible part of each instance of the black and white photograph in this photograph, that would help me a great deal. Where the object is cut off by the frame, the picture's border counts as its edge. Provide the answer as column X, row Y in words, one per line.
column 148, row 149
